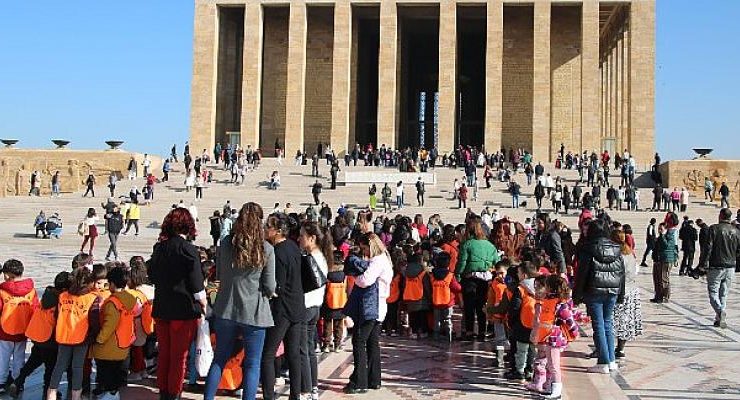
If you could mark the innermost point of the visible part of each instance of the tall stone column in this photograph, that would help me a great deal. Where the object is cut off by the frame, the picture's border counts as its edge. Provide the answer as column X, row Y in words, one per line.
column 252, row 76
column 642, row 81
column 619, row 72
column 541, row 146
column 494, row 74
column 447, row 75
column 203, row 106
column 296, row 87
column 340, row 97
column 388, row 74
column 591, row 80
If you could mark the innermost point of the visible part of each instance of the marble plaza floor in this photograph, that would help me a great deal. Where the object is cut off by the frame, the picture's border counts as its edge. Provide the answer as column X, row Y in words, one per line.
column 680, row 355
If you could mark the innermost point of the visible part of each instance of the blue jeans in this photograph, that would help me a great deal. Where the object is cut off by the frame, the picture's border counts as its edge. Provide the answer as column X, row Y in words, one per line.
column 227, row 334
column 515, row 201
column 601, row 310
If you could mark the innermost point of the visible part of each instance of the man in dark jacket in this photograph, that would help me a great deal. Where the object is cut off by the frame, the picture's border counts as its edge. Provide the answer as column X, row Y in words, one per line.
column 548, row 240
column 651, row 235
column 723, row 252
column 688, row 236
column 316, row 191
column 113, row 227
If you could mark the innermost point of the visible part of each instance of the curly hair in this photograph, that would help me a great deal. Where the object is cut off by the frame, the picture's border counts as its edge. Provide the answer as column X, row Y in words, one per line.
column 177, row 222
column 248, row 237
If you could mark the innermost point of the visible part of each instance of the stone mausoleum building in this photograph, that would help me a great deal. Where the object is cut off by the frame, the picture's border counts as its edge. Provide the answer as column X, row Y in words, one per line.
column 494, row 73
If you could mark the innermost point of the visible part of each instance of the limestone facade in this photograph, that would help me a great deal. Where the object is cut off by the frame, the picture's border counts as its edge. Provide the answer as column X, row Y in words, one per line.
column 691, row 174
column 576, row 72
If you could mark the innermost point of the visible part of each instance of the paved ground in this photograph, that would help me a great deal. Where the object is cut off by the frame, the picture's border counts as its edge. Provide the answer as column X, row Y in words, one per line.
column 681, row 356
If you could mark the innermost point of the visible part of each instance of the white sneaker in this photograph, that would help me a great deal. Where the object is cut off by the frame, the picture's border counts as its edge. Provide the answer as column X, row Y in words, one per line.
column 613, row 366
column 135, row 376
column 598, row 369
column 314, row 394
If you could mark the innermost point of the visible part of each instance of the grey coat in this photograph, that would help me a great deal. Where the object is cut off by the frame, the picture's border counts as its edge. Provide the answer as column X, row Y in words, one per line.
column 244, row 293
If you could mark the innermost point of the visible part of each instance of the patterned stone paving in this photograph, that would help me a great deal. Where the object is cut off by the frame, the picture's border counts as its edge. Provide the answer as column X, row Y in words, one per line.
column 680, row 356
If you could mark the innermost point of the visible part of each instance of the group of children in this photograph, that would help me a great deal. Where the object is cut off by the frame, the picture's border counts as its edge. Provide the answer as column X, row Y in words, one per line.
column 99, row 313
column 528, row 307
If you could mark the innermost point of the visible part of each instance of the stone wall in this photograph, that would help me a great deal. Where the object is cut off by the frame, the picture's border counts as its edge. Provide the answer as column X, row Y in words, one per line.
column 274, row 78
column 691, row 173
column 565, row 64
column 17, row 165
column 319, row 56
column 517, row 77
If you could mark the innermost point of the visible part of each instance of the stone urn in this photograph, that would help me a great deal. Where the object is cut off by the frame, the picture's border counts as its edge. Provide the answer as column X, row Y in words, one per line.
column 61, row 144
column 114, row 144
column 702, row 152
column 9, row 143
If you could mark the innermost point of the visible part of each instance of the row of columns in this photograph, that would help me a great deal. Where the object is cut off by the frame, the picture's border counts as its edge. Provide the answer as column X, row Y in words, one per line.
column 206, row 43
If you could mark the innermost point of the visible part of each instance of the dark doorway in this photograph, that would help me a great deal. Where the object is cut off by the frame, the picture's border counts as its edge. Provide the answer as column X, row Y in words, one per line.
column 229, row 74
column 471, row 78
column 366, row 38
column 419, row 58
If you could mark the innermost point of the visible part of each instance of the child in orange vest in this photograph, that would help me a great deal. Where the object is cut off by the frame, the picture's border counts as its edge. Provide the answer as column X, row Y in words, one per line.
column 496, row 307
column 554, row 327
column 78, row 322
column 391, row 323
column 336, row 298
column 417, row 292
column 41, row 332
column 521, row 320
column 17, row 301
column 444, row 289
column 111, row 347
column 144, row 294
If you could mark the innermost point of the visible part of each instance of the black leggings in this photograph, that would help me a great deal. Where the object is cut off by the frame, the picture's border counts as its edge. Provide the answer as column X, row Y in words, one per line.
column 292, row 333
column 475, row 293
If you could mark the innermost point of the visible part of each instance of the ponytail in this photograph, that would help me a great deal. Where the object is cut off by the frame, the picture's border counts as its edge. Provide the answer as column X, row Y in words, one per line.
column 324, row 240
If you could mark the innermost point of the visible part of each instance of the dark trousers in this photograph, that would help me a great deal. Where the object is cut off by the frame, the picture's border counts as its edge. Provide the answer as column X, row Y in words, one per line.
column 333, row 331
column 687, row 262
column 309, row 362
column 366, row 355
column 135, row 223
column 648, row 250
column 662, row 280
column 418, row 321
column 316, row 199
column 292, row 334
column 90, row 189
column 475, row 292
column 420, row 198
column 390, row 324
column 46, row 356
column 111, row 374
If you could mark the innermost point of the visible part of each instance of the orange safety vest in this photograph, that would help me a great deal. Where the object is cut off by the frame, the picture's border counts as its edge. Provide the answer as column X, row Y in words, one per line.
column 414, row 287
column 336, row 295
column 526, row 313
column 125, row 334
column 147, row 321
column 495, row 295
column 441, row 293
column 395, row 290
column 41, row 325
column 17, row 312
column 72, row 321
column 547, row 318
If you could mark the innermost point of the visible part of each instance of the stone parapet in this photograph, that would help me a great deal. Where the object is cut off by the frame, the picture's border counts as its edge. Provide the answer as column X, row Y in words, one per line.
column 691, row 174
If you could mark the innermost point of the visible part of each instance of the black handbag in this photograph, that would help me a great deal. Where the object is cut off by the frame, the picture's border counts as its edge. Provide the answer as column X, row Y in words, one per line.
column 312, row 276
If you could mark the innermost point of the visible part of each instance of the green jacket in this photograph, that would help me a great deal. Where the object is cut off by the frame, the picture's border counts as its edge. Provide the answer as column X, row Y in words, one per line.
column 666, row 250
column 476, row 255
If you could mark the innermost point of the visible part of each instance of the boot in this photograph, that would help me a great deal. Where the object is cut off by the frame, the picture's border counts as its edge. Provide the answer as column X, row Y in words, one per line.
column 499, row 358
column 538, row 380
column 557, row 391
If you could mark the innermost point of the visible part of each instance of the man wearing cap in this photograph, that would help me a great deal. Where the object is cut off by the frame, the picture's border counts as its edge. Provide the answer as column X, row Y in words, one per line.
column 723, row 251
column 688, row 235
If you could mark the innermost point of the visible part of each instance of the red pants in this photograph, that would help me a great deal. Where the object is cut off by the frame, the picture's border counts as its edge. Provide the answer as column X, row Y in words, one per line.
column 137, row 359
column 174, row 338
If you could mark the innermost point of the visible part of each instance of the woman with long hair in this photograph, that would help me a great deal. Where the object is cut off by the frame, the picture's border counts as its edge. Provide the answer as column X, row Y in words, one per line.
column 476, row 256
column 317, row 243
column 599, row 282
column 628, row 314
column 365, row 340
column 90, row 230
column 246, row 269
column 176, row 274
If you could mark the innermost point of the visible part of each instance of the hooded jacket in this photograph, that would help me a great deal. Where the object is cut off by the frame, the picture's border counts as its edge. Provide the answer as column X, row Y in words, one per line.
column 600, row 271
column 19, row 287
column 106, row 343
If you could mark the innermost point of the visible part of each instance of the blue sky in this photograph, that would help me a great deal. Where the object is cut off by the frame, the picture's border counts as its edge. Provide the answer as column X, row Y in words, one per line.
column 90, row 71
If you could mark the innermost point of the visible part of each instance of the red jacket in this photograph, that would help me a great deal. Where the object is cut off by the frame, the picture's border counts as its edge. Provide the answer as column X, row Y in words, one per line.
column 21, row 287
column 451, row 248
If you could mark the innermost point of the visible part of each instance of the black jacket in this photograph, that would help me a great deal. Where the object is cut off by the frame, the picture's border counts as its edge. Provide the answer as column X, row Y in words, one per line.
column 688, row 235
column 723, row 247
column 600, row 270
column 176, row 274
column 289, row 303
column 551, row 243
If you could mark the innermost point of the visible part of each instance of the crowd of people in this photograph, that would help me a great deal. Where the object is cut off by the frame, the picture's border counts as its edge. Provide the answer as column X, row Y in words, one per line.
column 277, row 287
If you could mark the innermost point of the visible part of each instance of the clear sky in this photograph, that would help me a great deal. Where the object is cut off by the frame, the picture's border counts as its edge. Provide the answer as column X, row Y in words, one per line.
column 90, row 71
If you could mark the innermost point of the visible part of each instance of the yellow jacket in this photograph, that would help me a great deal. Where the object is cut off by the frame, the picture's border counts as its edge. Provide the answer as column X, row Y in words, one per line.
column 134, row 211
column 106, row 344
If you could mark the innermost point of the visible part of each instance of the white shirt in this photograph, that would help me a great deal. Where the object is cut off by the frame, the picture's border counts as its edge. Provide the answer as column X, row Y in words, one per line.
column 399, row 190
column 193, row 212
column 380, row 270
column 315, row 298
